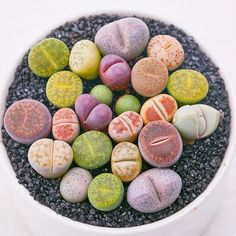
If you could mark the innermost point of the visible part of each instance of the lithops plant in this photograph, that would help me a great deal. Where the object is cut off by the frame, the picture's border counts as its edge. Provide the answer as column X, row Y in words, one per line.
column 49, row 158
column 92, row 149
column 92, row 114
column 160, row 107
column 126, row 37
column 65, row 125
column 84, row 59
column 149, row 77
column 125, row 127
column 187, row 86
column 27, row 120
column 167, row 49
column 63, row 88
column 74, row 185
column 160, row 144
column 196, row 121
column 106, row 192
column 48, row 57
column 102, row 93
column 126, row 161
column 127, row 102
column 115, row 72
column 154, row 190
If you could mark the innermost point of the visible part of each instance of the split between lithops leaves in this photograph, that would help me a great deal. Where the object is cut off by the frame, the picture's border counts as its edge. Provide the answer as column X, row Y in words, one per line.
column 196, row 121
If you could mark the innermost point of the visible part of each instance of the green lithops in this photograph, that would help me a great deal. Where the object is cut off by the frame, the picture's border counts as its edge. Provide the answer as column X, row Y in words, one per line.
column 85, row 59
column 92, row 149
column 63, row 88
column 102, row 93
column 48, row 57
column 196, row 121
column 106, row 192
column 127, row 103
column 187, row 86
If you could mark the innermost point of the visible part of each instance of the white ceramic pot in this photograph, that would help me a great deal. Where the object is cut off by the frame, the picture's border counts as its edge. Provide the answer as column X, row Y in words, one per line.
column 191, row 220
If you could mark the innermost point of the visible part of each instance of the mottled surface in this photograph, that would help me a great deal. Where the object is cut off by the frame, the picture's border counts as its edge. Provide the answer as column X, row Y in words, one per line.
column 106, row 192
column 197, row 165
column 154, row 190
column 48, row 56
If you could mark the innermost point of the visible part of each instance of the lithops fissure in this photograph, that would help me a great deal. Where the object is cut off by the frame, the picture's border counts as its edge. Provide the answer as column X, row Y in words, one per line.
column 196, row 121
column 49, row 158
column 126, row 37
column 126, row 161
column 154, row 190
column 160, row 144
column 160, row 107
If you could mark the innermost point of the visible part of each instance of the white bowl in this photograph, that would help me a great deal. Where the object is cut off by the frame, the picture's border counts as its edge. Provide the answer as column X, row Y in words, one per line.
column 191, row 220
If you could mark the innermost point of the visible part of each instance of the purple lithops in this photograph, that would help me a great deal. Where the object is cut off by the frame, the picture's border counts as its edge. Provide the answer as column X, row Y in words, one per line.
column 27, row 120
column 115, row 72
column 92, row 114
column 154, row 190
column 160, row 144
column 126, row 37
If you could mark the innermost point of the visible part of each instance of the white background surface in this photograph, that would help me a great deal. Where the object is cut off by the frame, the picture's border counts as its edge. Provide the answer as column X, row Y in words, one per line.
column 23, row 22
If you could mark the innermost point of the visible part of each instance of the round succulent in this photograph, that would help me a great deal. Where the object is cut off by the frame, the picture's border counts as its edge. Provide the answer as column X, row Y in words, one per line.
column 102, row 93
column 106, row 192
column 92, row 149
column 48, row 57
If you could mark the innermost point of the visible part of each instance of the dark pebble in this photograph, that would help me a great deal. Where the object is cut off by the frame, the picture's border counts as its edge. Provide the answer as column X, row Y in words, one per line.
column 197, row 166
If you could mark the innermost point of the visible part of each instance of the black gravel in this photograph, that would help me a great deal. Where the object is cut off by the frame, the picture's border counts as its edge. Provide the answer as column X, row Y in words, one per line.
column 197, row 166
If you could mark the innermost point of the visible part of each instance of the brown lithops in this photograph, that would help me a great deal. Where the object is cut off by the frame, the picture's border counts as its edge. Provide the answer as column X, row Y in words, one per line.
column 125, row 127
column 126, row 161
column 149, row 77
column 160, row 107
column 167, row 49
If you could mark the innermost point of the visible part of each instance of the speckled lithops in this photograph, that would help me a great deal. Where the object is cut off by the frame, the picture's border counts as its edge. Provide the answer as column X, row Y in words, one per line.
column 84, row 59
column 160, row 144
column 126, row 37
column 154, row 190
column 166, row 49
column 160, row 107
column 187, row 86
column 48, row 57
column 27, row 120
column 196, row 121
column 126, row 161
column 125, row 127
column 65, row 125
column 74, row 185
column 149, row 77
column 49, row 158
column 92, row 149
column 63, row 88
column 106, row 192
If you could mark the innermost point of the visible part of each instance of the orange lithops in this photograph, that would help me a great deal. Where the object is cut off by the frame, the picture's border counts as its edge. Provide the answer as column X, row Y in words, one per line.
column 160, row 107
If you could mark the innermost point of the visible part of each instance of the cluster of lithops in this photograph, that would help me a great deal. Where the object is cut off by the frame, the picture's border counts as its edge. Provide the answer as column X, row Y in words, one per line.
column 85, row 120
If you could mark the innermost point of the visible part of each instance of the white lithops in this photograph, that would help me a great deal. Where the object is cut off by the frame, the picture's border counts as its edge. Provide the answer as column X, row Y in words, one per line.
column 196, row 121
column 74, row 185
column 49, row 158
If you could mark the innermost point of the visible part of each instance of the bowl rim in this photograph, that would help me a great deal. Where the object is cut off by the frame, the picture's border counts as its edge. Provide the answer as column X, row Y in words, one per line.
column 135, row 229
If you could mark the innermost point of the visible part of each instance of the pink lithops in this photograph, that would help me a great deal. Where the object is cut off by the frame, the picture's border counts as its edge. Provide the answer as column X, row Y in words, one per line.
column 166, row 49
column 65, row 125
column 27, row 120
column 154, row 190
column 125, row 127
column 92, row 114
column 160, row 107
column 160, row 144
column 115, row 72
